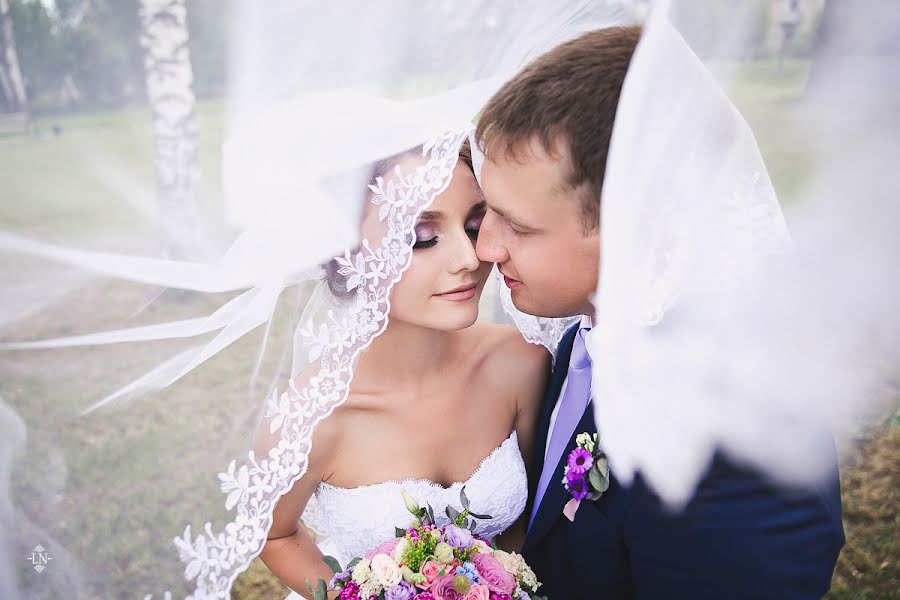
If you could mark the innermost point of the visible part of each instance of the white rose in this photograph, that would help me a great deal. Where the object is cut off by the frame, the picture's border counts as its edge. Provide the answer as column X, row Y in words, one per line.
column 386, row 570
column 400, row 550
column 586, row 441
column 482, row 548
column 510, row 561
column 361, row 571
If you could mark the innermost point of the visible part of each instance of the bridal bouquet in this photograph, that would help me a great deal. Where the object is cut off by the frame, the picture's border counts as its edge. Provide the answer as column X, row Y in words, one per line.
column 427, row 562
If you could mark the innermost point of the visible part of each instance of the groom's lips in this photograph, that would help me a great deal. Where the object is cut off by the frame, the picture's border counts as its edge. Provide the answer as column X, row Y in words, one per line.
column 510, row 282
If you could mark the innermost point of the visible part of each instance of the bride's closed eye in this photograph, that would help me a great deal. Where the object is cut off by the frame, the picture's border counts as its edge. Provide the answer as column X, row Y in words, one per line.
column 473, row 225
column 426, row 233
column 426, row 236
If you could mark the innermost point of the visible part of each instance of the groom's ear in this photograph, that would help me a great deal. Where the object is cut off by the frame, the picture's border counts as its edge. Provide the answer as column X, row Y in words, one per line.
column 568, row 95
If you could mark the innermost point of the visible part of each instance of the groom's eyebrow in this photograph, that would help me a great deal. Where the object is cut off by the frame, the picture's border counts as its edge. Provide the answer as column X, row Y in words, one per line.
column 478, row 207
column 512, row 220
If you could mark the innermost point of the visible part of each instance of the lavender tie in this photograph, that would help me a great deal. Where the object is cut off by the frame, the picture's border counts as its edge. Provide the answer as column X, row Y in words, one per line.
column 571, row 409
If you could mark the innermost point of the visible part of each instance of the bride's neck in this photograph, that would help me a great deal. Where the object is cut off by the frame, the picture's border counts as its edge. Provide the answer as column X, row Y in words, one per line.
column 405, row 353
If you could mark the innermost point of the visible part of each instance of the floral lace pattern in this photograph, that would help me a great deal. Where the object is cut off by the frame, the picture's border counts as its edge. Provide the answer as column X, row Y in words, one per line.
column 252, row 489
column 545, row 331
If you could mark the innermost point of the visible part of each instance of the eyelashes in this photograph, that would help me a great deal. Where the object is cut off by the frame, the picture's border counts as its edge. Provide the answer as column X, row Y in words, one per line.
column 426, row 235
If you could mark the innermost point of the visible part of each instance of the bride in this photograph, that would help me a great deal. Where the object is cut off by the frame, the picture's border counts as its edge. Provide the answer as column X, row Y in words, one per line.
column 438, row 402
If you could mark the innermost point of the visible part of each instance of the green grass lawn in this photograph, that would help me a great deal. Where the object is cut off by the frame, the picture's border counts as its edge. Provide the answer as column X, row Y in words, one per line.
column 96, row 177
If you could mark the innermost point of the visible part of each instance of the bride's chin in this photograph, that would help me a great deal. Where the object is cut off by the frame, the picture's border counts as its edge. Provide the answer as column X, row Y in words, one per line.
column 457, row 318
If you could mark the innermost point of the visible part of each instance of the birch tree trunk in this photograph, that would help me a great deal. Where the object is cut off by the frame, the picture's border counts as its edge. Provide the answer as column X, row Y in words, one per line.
column 12, row 84
column 169, row 76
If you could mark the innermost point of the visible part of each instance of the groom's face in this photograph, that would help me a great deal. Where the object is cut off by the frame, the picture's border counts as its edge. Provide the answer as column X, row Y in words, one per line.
column 534, row 231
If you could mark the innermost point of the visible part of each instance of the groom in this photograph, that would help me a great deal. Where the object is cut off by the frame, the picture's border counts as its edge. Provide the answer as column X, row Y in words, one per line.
column 546, row 134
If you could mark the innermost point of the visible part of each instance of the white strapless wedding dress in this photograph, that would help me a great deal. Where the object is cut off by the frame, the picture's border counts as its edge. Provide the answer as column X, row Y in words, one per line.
column 351, row 521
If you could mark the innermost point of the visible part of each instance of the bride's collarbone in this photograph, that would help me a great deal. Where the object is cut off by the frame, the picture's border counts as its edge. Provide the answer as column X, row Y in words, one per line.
column 434, row 465
column 414, row 443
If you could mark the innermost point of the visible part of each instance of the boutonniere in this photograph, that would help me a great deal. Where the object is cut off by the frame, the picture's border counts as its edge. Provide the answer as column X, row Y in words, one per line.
column 586, row 473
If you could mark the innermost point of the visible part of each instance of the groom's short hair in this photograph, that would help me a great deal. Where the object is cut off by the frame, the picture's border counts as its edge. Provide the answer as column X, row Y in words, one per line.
column 567, row 95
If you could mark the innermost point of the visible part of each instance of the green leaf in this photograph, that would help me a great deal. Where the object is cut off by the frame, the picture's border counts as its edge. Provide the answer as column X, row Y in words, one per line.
column 598, row 480
column 482, row 517
column 353, row 562
column 399, row 532
column 602, row 465
column 463, row 498
column 452, row 513
column 333, row 563
column 322, row 590
column 309, row 587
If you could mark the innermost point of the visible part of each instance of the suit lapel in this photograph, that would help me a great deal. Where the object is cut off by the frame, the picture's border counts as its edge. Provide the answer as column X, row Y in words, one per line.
column 551, row 398
column 556, row 496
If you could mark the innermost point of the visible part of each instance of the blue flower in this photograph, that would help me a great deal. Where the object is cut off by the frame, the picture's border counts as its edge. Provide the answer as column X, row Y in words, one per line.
column 469, row 570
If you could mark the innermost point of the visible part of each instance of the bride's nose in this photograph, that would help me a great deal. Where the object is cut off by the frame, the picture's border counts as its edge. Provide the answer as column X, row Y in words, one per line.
column 464, row 257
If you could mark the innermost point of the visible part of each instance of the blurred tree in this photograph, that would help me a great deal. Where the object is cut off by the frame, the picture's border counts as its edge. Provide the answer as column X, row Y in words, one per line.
column 12, row 84
column 169, row 81
column 87, row 53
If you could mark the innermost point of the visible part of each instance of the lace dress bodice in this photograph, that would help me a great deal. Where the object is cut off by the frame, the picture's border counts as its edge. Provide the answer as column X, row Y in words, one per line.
column 351, row 521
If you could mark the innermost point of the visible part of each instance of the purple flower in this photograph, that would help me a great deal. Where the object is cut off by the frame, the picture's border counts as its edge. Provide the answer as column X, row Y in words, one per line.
column 572, row 477
column 578, row 489
column 413, row 535
column 496, row 596
column 443, row 589
column 340, row 577
column 493, row 574
column 458, row 537
column 401, row 591
column 350, row 591
column 425, row 596
column 580, row 460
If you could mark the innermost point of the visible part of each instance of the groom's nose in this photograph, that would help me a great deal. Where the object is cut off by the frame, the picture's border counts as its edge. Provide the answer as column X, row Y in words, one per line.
column 490, row 247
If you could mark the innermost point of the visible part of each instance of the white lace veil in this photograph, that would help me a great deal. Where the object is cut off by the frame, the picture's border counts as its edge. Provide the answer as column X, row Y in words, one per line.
column 714, row 329
column 105, row 486
column 95, row 491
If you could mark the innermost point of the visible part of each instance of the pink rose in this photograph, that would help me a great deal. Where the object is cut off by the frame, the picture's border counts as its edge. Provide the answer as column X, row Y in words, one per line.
column 430, row 570
column 443, row 589
column 478, row 592
column 492, row 574
column 385, row 548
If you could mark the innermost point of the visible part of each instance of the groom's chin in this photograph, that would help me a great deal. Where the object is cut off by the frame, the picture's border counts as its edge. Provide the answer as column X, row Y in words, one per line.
column 525, row 302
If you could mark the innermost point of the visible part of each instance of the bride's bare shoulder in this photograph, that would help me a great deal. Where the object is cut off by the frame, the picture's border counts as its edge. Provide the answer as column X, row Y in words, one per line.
column 503, row 350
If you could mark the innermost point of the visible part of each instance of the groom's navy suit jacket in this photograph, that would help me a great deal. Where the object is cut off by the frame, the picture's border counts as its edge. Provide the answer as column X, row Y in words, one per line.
column 740, row 537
